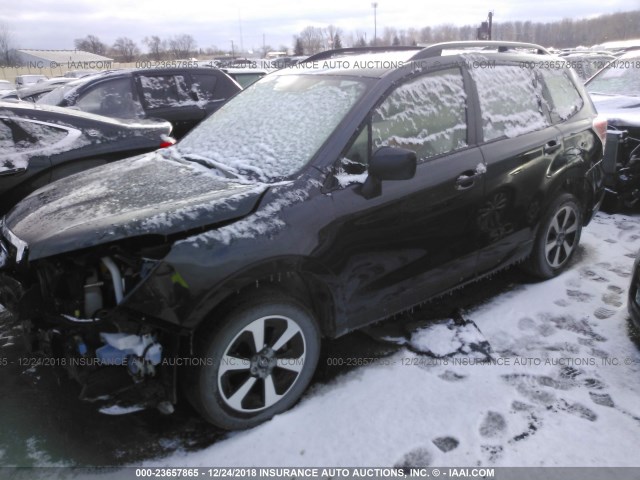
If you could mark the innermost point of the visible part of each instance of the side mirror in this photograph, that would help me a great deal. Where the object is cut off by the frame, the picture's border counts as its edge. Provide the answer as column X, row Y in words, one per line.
column 388, row 163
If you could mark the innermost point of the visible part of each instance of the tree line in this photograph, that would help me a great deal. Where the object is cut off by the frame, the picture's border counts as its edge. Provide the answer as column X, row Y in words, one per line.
column 565, row 33
column 312, row 39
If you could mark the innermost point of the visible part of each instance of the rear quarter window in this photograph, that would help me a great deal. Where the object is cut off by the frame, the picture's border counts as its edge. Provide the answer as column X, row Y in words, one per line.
column 25, row 137
column 561, row 94
column 204, row 86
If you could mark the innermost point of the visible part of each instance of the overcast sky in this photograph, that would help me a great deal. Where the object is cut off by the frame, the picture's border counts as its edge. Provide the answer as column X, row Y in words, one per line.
column 54, row 24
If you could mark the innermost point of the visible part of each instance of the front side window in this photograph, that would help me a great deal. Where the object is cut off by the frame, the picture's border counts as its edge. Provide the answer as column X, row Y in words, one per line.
column 112, row 98
column 510, row 100
column 427, row 115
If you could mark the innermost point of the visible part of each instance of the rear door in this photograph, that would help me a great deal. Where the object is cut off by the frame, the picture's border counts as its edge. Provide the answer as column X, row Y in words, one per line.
column 519, row 143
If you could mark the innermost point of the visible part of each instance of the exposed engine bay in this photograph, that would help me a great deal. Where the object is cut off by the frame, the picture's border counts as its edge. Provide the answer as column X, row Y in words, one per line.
column 69, row 310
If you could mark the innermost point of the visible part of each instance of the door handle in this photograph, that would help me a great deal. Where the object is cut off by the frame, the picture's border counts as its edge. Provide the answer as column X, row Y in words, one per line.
column 552, row 146
column 466, row 180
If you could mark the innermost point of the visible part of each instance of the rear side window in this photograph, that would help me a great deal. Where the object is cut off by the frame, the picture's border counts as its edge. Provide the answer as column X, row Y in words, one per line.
column 112, row 98
column 204, row 86
column 22, row 137
column 510, row 101
column 164, row 91
column 564, row 100
column 427, row 115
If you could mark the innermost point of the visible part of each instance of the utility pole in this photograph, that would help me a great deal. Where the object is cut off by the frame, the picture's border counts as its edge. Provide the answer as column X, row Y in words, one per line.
column 375, row 23
column 490, row 23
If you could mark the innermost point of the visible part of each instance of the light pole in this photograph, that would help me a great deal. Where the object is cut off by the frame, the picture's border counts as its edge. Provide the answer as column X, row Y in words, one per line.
column 375, row 23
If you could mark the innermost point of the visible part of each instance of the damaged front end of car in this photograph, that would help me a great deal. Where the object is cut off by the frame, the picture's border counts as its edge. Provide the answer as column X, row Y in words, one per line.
column 72, row 311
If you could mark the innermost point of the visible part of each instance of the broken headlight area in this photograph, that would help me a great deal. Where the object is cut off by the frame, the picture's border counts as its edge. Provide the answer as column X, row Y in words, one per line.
column 622, row 164
column 72, row 310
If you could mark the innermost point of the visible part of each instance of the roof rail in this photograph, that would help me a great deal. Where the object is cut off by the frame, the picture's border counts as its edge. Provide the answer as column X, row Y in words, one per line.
column 436, row 49
column 338, row 52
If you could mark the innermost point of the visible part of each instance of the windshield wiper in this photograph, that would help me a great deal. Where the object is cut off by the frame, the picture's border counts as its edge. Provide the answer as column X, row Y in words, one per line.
column 208, row 163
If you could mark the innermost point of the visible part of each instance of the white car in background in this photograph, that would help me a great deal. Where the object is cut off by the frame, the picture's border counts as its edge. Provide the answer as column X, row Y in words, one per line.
column 26, row 80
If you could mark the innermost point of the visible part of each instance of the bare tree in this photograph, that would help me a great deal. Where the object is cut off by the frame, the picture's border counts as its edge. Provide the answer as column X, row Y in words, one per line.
column 564, row 33
column 8, row 54
column 126, row 49
column 92, row 44
column 181, row 46
column 361, row 39
column 157, row 47
column 312, row 40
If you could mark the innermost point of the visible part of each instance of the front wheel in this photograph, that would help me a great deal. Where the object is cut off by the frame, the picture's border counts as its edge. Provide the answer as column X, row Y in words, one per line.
column 259, row 361
column 557, row 239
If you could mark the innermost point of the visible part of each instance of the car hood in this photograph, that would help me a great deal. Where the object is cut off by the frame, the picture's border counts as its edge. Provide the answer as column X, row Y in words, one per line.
column 145, row 195
column 620, row 110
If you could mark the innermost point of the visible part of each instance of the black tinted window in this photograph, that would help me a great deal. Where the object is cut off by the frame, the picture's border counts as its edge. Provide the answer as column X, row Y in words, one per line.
column 112, row 98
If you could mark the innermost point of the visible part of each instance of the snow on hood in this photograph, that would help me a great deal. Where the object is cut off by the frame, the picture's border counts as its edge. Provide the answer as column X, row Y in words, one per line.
column 143, row 195
column 619, row 109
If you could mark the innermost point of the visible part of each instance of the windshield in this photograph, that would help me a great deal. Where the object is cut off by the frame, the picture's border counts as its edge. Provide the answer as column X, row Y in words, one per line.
column 54, row 97
column 273, row 128
column 621, row 78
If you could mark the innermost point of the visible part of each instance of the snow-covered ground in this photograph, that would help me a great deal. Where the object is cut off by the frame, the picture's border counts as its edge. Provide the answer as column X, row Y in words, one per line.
column 557, row 385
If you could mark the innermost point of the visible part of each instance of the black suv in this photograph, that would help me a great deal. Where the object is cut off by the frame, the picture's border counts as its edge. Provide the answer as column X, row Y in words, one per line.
column 183, row 96
column 319, row 200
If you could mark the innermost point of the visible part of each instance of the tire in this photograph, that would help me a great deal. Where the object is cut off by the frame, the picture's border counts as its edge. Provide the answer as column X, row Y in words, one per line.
column 557, row 239
column 240, row 385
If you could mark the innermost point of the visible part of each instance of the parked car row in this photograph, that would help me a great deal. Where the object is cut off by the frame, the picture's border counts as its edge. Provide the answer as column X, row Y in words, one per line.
column 39, row 145
column 316, row 202
column 182, row 96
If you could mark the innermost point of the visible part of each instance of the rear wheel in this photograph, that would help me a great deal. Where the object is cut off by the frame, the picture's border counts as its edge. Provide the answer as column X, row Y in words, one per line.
column 557, row 239
column 256, row 363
